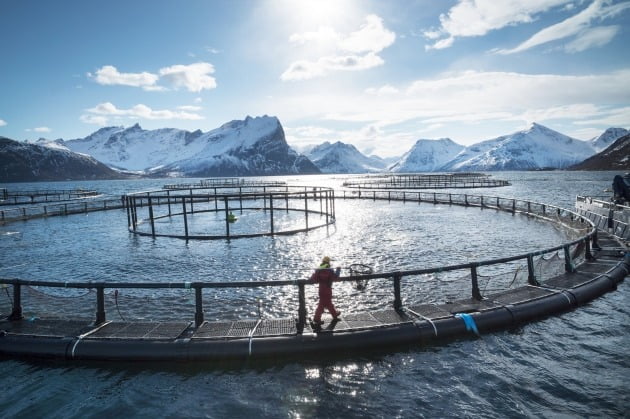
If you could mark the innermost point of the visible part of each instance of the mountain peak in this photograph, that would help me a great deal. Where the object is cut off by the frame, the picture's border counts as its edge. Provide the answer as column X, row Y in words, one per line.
column 427, row 156
column 608, row 137
column 340, row 157
column 249, row 147
column 135, row 128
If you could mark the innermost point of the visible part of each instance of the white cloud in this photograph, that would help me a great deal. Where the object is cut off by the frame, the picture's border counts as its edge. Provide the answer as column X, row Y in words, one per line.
column 577, row 25
column 109, row 75
column 312, row 131
column 38, row 129
column 616, row 117
column 441, row 44
column 467, row 99
column 382, row 91
column 2, row 123
column 304, row 70
column 323, row 34
column 478, row 17
column 100, row 114
column 590, row 38
column 354, row 52
column 194, row 77
column 94, row 120
column 371, row 37
column 190, row 108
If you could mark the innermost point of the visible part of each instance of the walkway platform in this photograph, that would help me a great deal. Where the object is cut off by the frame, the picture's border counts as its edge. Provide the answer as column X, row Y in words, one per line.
column 423, row 324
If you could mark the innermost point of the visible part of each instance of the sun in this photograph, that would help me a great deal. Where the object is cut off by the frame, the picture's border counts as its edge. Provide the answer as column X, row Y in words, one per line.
column 312, row 14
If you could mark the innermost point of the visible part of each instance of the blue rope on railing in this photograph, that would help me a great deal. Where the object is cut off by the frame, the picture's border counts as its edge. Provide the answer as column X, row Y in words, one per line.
column 469, row 321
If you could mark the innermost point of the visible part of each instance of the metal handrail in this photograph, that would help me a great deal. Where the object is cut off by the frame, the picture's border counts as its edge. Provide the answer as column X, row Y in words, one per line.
column 396, row 276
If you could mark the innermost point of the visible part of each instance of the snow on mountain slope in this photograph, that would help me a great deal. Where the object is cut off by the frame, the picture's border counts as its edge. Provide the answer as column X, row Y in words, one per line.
column 615, row 157
column 427, row 156
column 226, row 150
column 535, row 148
column 343, row 158
column 25, row 162
column 608, row 137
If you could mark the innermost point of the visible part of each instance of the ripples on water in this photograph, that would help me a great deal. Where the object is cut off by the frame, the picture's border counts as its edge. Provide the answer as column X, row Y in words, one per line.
column 574, row 365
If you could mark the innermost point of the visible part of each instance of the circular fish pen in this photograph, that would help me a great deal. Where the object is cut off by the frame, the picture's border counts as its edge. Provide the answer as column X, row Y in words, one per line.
column 431, row 181
column 383, row 307
column 213, row 212
column 8, row 197
column 223, row 182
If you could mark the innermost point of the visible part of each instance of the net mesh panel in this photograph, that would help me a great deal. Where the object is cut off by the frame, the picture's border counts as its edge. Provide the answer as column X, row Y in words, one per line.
column 272, row 302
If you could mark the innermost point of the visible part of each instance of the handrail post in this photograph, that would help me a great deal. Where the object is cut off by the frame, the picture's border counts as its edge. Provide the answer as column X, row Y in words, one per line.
column 16, row 314
column 587, row 251
column 531, row 272
column 227, row 215
column 595, row 244
column 302, row 308
column 185, row 217
column 568, row 262
column 100, row 305
column 198, row 306
column 397, row 299
column 151, row 217
column 271, row 213
column 475, row 285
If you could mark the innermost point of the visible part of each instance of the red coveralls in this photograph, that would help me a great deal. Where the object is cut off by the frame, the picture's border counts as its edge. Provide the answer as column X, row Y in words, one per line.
column 325, row 277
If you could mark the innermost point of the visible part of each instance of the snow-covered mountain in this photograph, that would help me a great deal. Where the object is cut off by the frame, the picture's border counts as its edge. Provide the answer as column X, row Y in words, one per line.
column 344, row 158
column 608, row 137
column 537, row 147
column 254, row 146
column 25, row 162
column 615, row 157
column 427, row 156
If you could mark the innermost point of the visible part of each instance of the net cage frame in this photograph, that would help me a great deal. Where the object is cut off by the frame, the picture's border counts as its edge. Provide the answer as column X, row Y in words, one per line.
column 463, row 180
column 147, row 207
column 468, row 277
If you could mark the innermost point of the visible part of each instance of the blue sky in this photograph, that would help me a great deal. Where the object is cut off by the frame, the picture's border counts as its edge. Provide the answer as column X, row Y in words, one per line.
column 376, row 74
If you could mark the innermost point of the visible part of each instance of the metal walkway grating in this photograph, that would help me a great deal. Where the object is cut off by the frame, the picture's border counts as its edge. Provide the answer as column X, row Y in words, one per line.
column 430, row 311
column 276, row 327
column 46, row 327
column 140, row 330
column 520, row 295
column 570, row 280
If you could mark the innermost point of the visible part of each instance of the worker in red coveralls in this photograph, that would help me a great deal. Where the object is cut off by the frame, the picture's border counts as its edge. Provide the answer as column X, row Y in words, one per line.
column 325, row 276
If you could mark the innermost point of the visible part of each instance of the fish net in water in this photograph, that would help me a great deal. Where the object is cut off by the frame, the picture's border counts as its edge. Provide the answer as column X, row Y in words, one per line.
column 240, row 303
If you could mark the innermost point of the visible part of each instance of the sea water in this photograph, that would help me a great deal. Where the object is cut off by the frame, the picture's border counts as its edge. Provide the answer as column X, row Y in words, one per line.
column 571, row 365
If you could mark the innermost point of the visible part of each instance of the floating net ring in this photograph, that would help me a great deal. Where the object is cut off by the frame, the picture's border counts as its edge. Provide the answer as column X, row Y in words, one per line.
column 360, row 269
